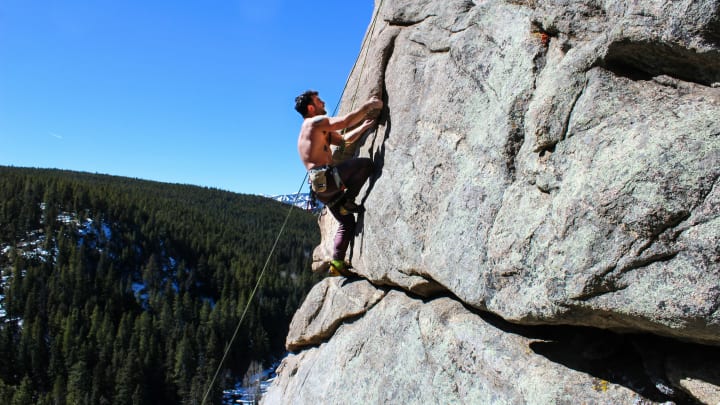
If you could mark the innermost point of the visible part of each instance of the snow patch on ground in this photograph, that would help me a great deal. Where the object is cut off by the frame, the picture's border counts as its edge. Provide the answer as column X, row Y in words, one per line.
column 32, row 246
column 4, row 282
column 259, row 384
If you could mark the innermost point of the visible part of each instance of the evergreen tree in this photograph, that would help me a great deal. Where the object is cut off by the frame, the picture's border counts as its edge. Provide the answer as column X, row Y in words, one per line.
column 128, row 383
column 6, row 392
column 78, row 388
column 24, row 393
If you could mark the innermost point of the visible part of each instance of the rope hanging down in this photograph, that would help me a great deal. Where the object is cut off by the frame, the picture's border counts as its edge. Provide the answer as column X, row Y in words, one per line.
column 287, row 217
column 252, row 294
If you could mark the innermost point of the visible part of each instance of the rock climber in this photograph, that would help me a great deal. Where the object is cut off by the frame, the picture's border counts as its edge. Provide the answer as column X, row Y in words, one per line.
column 335, row 185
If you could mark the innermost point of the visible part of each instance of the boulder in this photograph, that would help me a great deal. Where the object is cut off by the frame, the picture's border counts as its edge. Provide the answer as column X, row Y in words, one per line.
column 328, row 304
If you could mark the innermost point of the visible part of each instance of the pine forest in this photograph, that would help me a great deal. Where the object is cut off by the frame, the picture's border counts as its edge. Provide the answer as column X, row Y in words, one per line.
column 123, row 291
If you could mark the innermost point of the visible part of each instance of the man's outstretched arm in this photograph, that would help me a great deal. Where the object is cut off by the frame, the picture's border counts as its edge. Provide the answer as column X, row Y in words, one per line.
column 348, row 120
column 356, row 133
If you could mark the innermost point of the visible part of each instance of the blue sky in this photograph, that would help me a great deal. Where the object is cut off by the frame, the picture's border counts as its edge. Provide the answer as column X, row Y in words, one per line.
column 192, row 92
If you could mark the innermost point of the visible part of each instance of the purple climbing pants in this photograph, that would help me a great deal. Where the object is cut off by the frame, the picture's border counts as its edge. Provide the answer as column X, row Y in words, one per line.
column 353, row 173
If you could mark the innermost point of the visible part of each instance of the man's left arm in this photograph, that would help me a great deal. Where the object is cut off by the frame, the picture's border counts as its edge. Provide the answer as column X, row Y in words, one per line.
column 336, row 139
column 356, row 133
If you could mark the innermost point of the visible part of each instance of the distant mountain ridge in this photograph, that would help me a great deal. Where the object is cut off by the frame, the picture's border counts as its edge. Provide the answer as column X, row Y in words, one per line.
column 301, row 200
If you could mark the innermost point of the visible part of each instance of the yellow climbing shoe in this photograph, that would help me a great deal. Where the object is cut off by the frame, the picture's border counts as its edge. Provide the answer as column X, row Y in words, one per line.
column 340, row 268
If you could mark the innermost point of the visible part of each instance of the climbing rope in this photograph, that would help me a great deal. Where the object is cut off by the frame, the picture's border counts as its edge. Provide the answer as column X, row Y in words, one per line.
column 371, row 31
column 252, row 294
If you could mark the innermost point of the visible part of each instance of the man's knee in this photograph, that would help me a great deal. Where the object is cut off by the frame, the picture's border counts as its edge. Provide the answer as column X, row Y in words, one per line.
column 346, row 223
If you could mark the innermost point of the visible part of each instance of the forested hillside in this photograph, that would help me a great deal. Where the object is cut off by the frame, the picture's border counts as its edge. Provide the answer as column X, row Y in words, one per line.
column 122, row 291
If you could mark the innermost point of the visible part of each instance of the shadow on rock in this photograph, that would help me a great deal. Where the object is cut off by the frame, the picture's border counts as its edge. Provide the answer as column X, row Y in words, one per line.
column 660, row 369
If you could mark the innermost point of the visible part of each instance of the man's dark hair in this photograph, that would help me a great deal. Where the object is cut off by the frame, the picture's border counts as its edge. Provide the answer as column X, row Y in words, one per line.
column 303, row 101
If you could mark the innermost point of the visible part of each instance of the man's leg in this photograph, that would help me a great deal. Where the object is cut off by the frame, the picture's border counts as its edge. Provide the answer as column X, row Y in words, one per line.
column 346, row 221
column 354, row 173
column 344, row 234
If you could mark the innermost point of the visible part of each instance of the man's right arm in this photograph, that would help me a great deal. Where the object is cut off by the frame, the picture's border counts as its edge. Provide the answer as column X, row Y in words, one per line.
column 348, row 120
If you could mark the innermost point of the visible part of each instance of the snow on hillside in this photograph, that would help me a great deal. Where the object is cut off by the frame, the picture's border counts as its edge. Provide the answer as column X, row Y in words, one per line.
column 3, row 282
column 256, row 386
column 32, row 246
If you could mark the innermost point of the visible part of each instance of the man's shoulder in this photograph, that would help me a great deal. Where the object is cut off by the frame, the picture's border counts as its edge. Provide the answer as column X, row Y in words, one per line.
column 317, row 120
column 310, row 128
column 315, row 124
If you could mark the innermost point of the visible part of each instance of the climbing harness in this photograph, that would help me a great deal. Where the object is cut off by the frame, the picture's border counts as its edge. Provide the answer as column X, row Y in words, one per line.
column 336, row 177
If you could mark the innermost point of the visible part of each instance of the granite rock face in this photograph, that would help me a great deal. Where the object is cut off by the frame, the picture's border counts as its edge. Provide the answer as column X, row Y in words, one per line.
column 551, row 163
column 406, row 350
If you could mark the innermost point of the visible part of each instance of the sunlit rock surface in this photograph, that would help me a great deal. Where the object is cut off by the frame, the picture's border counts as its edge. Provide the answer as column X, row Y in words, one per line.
column 551, row 163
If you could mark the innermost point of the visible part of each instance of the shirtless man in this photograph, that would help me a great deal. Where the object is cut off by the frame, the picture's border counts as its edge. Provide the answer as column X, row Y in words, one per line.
column 317, row 133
